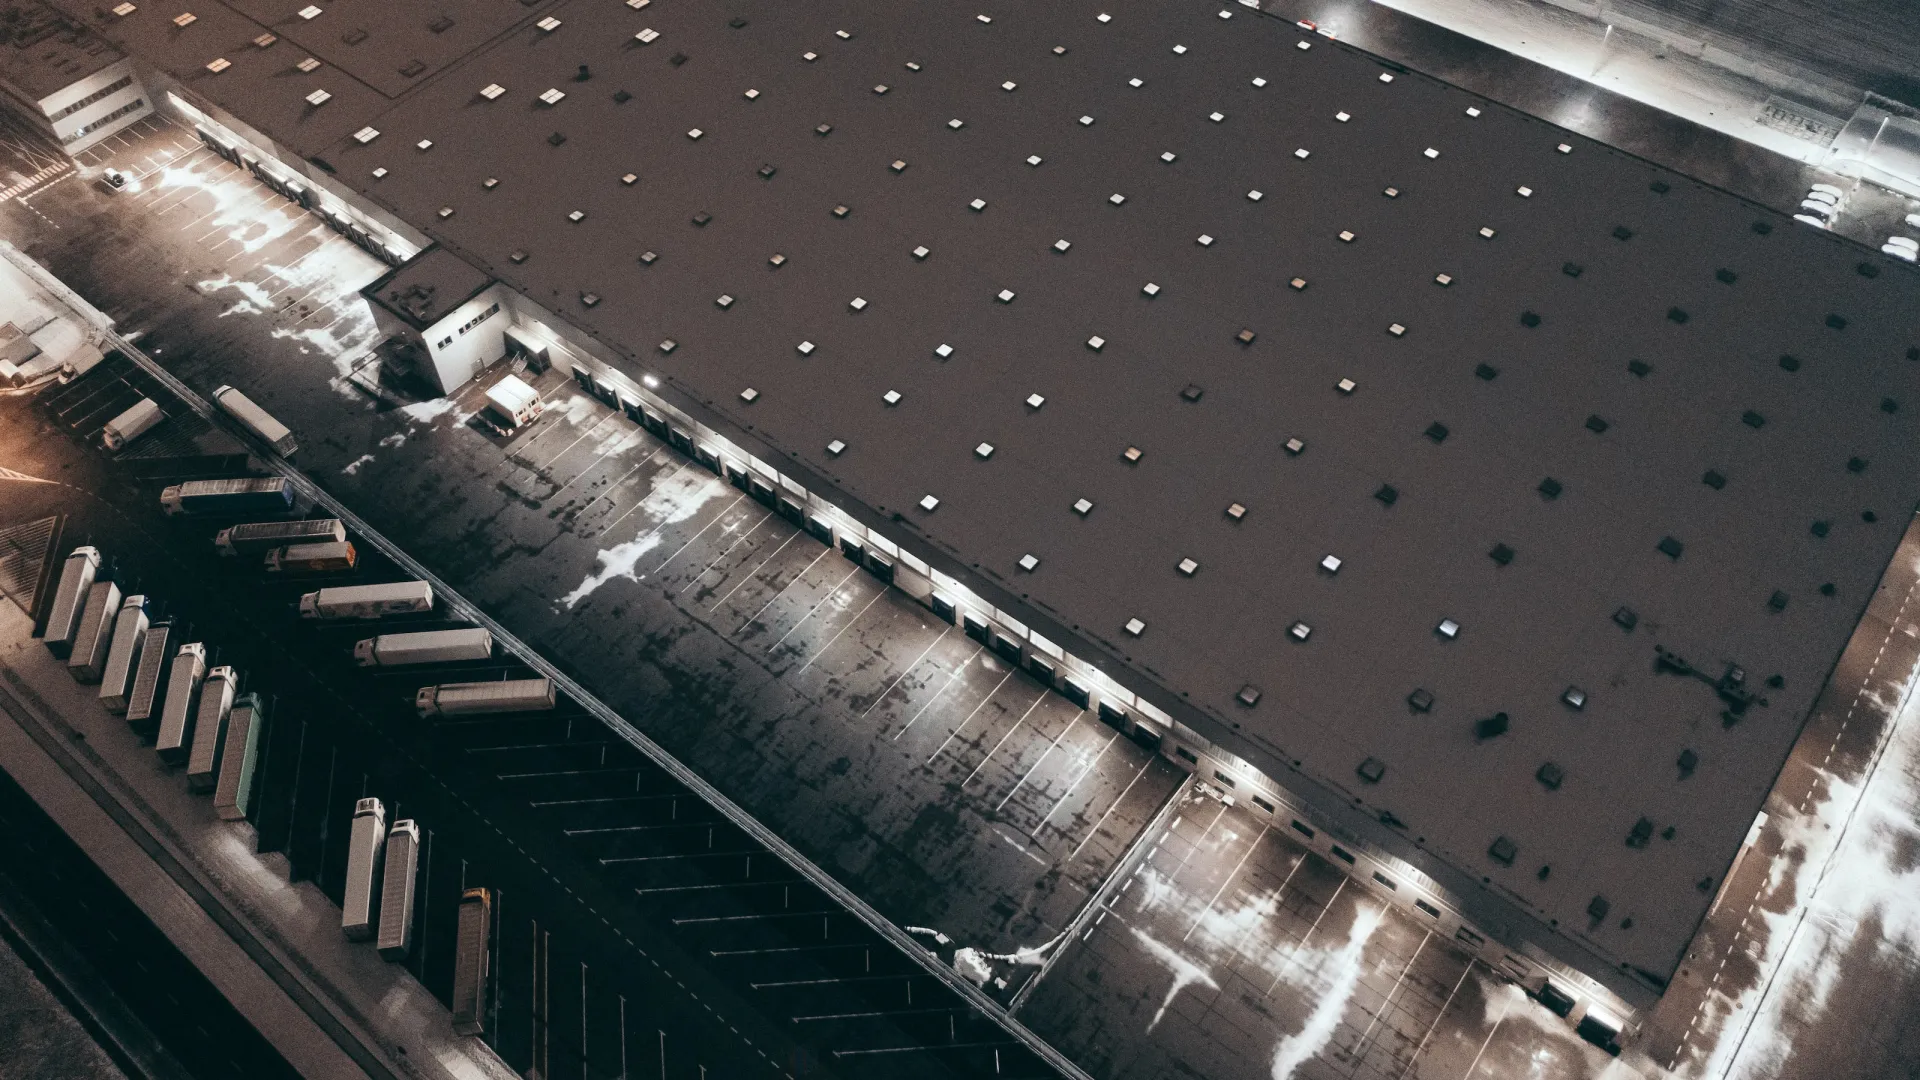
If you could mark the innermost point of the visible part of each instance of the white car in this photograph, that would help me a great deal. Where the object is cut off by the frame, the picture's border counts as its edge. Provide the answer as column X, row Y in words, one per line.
column 1828, row 197
column 1829, row 189
column 1902, row 247
column 1821, row 210
column 1914, row 220
column 1818, row 223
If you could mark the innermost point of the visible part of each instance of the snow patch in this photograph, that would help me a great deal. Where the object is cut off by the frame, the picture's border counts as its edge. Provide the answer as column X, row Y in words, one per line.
column 1342, row 969
column 680, row 497
column 353, row 466
column 1185, row 972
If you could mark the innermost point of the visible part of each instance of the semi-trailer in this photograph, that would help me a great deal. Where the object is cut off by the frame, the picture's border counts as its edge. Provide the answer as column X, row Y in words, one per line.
column 95, row 635
column 368, row 601
column 242, row 495
column 472, row 953
column 260, row 537
column 312, row 558
column 364, row 844
column 255, row 419
column 210, row 728
column 70, row 600
column 474, row 698
column 145, row 702
column 123, row 656
column 426, row 647
column 175, row 735
column 143, row 417
column 395, row 939
column 233, row 789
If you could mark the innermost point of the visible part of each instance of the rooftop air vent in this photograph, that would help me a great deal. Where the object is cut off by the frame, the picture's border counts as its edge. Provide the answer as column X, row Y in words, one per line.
column 1491, row 726
column 1372, row 770
column 1503, row 851
column 1551, row 776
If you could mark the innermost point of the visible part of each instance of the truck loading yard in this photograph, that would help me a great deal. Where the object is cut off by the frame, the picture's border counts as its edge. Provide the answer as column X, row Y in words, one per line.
column 1141, row 920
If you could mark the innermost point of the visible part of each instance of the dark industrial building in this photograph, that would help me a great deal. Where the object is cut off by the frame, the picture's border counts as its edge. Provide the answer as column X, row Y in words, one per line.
column 1487, row 505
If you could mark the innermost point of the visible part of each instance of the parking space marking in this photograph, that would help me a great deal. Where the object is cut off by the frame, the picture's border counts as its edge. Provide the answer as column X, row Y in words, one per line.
column 943, row 689
column 965, row 720
column 1086, row 771
column 737, row 541
column 1003, row 741
column 783, row 590
column 905, row 670
column 850, row 624
column 615, row 486
column 831, row 593
column 1095, row 831
column 756, row 572
column 638, row 503
column 1044, row 754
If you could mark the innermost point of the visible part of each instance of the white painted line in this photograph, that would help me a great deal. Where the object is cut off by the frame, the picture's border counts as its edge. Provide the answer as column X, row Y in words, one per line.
column 737, row 541
column 1234, row 873
column 942, row 636
column 850, row 623
column 816, row 607
column 783, row 590
column 943, row 689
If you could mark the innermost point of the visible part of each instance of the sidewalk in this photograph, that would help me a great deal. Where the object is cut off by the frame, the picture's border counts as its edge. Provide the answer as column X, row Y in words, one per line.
column 274, row 949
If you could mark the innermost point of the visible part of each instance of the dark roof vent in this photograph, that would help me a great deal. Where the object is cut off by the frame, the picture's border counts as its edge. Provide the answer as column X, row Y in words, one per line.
column 1420, row 701
column 1677, row 315
column 1437, row 431
column 1867, row 269
column 556, row 139
column 1371, row 770
column 1789, row 362
column 1714, row 480
column 1688, row 762
column 1621, row 232
column 1387, row 495
column 1777, row 602
column 1572, row 269
column 1245, row 337
column 1626, row 619
column 1639, row 368
column 1659, row 187
column 1191, row 392
column 1487, row 372
column 1491, row 726
column 1836, row 322
column 1501, row 554
column 702, row 218
column 1596, row 424
column 1550, row 775
column 1550, row 488
column 1889, row 406
column 1574, row 698
column 1821, row 528
column 1856, row 464
column 1753, row 419
column 1726, row 276
column 1528, row 318
column 621, row 97
column 1763, row 227
column 1599, row 907
column 1249, row 695
column 1503, row 851
column 1670, row 547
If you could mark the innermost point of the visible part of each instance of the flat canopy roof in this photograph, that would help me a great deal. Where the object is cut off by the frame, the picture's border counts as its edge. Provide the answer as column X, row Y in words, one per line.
column 1556, row 412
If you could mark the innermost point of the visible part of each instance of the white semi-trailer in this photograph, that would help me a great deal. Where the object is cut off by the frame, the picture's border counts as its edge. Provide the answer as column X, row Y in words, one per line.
column 364, row 845
column 175, row 735
column 150, row 680
column 143, row 417
column 395, row 939
column 123, row 655
column 330, row 557
column 243, row 495
column 256, row 419
column 210, row 729
column 260, row 537
column 233, row 786
column 88, row 660
column 368, row 601
column 474, row 698
column 70, row 600
column 472, row 955
column 426, row 647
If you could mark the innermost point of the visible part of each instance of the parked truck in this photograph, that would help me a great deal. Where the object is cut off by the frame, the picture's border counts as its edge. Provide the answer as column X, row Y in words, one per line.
column 472, row 956
column 475, row 698
column 426, row 647
column 260, row 537
column 255, row 419
column 364, row 844
column 146, row 699
column 175, row 736
column 70, row 600
column 240, row 754
column 399, row 874
column 245, row 495
column 312, row 558
column 88, row 660
column 123, row 656
column 143, row 417
column 368, row 601
column 513, row 404
column 210, row 728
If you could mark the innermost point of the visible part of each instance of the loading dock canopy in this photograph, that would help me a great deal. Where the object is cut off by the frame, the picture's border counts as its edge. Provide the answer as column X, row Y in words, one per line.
column 1590, row 444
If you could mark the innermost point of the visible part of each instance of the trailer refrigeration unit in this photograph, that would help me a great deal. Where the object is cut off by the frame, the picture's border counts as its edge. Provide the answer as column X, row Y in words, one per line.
column 210, row 729
column 233, row 788
column 123, row 656
column 245, row 495
column 312, row 558
column 395, row 939
column 95, row 636
column 426, row 647
column 256, row 419
column 473, row 947
column 260, row 537
column 143, row 417
column 70, row 600
column 368, row 601
column 183, row 693
column 364, row 846
column 474, row 698
column 150, row 680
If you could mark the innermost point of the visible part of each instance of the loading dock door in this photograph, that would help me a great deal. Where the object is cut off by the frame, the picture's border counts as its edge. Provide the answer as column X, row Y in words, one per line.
column 943, row 608
column 976, row 628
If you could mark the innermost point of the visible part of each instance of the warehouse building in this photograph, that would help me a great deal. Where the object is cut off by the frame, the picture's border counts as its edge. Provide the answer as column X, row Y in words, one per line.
column 1485, row 504
column 66, row 82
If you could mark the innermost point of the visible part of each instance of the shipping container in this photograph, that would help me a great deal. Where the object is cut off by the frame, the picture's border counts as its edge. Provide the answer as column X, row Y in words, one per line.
column 70, row 600
column 210, row 729
column 260, row 537
column 146, row 700
column 175, row 735
column 245, row 495
column 468, row 699
column 312, row 558
column 88, row 660
column 427, row 647
column 233, row 790
column 255, row 419
column 143, row 417
column 472, row 956
column 396, row 891
column 364, row 844
column 123, row 655
column 368, row 601
column 513, row 403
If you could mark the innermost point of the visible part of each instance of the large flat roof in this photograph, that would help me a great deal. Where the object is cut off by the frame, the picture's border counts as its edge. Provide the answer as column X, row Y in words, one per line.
column 1597, row 410
column 42, row 50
